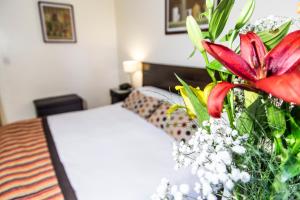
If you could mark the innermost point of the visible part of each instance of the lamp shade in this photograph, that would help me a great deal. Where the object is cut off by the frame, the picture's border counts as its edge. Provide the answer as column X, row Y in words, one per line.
column 131, row 66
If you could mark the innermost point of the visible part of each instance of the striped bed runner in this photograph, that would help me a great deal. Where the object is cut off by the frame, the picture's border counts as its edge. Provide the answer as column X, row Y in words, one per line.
column 26, row 170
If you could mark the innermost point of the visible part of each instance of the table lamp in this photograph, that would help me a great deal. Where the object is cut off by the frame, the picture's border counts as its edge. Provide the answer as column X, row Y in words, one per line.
column 130, row 67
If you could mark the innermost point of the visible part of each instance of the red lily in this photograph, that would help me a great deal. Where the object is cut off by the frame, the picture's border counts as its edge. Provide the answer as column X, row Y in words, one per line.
column 276, row 72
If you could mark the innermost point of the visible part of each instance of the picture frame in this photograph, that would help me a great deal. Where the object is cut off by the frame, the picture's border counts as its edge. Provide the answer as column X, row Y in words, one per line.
column 57, row 22
column 176, row 12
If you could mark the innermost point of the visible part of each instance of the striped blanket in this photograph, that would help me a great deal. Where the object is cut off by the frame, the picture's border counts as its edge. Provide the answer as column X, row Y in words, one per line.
column 26, row 170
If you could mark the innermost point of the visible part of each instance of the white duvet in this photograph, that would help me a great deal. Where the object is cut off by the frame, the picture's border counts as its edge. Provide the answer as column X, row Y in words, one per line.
column 110, row 153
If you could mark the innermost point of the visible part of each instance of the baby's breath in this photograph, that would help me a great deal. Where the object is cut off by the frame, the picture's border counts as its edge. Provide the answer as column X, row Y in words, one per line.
column 269, row 23
column 210, row 156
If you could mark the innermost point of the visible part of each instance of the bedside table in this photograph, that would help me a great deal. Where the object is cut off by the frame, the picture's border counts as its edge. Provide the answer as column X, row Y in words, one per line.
column 57, row 105
column 119, row 95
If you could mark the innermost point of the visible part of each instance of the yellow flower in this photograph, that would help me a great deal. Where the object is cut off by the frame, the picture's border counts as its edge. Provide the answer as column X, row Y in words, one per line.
column 208, row 88
column 175, row 107
column 201, row 95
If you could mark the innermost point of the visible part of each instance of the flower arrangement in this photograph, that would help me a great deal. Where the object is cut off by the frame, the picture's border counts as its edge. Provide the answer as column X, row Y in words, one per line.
column 248, row 142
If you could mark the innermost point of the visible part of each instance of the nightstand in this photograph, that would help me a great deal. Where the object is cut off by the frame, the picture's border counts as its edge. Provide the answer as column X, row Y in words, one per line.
column 57, row 105
column 119, row 95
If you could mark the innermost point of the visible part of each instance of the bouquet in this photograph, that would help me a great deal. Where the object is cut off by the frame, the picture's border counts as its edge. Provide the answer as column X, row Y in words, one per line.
column 248, row 142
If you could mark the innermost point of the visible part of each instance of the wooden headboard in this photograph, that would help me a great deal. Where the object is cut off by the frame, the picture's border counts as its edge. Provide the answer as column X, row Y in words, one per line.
column 163, row 76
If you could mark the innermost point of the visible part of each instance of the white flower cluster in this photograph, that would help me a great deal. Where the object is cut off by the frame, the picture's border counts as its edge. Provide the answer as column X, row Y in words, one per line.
column 167, row 192
column 211, row 154
column 275, row 101
column 269, row 23
column 239, row 94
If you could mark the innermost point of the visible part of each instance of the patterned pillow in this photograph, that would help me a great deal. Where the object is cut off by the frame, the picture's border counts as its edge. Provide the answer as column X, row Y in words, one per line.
column 179, row 125
column 131, row 100
column 141, row 104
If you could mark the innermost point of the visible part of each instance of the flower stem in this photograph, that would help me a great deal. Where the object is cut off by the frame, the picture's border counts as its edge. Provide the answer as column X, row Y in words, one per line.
column 229, row 114
column 232, row 38
column 210, row 72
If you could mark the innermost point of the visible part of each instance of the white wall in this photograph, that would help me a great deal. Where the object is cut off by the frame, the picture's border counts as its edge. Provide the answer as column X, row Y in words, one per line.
column 141, row 30
column 31, row 69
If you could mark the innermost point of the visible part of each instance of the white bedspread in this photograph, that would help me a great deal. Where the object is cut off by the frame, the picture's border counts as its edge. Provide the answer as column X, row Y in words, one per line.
column 110, row 153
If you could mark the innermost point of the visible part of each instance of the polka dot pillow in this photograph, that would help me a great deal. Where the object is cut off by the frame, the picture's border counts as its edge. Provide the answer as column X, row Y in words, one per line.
column 141, row 104
column 179, row 125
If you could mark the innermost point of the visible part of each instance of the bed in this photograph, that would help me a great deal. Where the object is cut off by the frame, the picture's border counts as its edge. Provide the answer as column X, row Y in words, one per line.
column 102, row 153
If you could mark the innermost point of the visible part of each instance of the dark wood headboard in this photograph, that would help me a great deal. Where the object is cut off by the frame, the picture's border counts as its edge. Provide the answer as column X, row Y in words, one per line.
column 163, row 76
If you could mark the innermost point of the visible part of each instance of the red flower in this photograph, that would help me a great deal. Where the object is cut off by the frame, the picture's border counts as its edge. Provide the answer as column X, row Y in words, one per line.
column 276, row 72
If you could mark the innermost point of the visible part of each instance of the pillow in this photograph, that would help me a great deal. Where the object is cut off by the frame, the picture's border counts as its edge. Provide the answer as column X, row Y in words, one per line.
column 161, row 94
column 179, row 125
column 141, row 104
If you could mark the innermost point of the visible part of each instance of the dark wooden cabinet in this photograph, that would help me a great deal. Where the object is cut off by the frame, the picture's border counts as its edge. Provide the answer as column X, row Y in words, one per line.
column 57, row 105
column 119, row 95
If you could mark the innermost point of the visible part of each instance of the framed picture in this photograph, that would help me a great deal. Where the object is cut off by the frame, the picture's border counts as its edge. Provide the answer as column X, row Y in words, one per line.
column 57, row 22
column 178, row 10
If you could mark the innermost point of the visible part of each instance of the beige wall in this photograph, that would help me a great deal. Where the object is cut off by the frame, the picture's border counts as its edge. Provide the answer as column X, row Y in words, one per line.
column 31, row 69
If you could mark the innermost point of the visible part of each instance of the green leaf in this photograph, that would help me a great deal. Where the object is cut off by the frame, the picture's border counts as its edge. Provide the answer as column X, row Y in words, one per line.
column 245, row 123
column 193, row 53
column 216, row 65
column 290, row 140
column 212, row 74
column 205, row 14
column 201, row 15
column 224, row 76
column 194, row 33
column 250, row 98
column 276, row 121
column 290, row 169
column 201, row 111
column 295, row 129
column 272, row 38
column 226, row 37
column 231, row 35
column 245, row 14
column 296, row 114
column 205, row 34
column 242, row 21
column 220, row 18
column 281, row 189
column 252, row 118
